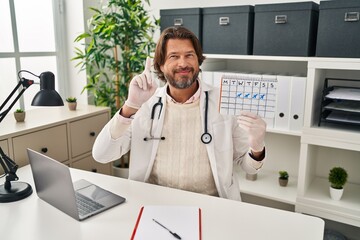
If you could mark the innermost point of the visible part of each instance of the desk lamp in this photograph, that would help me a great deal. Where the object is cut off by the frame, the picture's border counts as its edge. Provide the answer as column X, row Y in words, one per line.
column 47, row 96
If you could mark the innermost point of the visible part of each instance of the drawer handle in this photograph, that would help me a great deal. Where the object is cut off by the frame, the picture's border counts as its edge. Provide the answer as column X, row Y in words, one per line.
column 351, row 17
column 281, row 19
column 178, row 22
column 224, row 21
column 92, row 134
column 44, row 149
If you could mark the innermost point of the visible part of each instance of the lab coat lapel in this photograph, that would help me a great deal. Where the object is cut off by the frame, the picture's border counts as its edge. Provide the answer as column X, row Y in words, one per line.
column 210, row 147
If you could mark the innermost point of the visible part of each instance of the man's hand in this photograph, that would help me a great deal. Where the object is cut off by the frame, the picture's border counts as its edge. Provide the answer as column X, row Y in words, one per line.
column 255, row 127
column 141, row 87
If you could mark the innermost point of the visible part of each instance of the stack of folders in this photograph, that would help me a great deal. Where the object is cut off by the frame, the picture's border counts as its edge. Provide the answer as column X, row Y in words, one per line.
column 168, row 222
column 279, row 100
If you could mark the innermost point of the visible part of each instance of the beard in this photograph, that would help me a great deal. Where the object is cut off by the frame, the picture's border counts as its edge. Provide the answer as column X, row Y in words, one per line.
column 182, row 82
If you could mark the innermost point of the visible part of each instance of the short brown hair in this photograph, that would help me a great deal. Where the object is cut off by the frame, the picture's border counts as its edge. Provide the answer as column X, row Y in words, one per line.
column 174, row 33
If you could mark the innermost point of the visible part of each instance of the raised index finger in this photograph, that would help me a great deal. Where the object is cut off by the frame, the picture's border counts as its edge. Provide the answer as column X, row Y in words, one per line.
column 148, row 64
column 147, row 70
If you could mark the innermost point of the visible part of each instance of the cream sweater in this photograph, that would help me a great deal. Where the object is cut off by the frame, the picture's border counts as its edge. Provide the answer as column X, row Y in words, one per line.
column 182, row 161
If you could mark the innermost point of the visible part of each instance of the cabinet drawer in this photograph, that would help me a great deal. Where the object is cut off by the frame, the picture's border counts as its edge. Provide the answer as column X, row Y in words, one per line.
column 83, row 133
column 4, row 146
column 51, row 141
column 89, row 164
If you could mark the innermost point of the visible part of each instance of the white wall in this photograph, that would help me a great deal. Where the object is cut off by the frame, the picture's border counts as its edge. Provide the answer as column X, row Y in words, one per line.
column 74, row 22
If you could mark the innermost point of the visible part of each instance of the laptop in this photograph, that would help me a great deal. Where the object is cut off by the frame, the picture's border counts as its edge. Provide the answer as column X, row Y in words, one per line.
column 79, row 200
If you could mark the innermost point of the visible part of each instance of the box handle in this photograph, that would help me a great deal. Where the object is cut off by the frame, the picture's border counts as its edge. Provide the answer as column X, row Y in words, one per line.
column 178, row 22
column 223, row 21
column 281, row 19
column 351, row 16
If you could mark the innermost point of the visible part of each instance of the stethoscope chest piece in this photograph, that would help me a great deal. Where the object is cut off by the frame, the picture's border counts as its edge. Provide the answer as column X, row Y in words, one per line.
column 206, row 138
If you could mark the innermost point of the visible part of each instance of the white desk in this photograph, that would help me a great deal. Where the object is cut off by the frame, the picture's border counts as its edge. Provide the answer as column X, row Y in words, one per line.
column 33, row 218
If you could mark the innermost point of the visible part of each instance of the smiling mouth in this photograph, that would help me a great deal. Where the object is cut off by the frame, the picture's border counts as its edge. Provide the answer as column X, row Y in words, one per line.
column 184, row 70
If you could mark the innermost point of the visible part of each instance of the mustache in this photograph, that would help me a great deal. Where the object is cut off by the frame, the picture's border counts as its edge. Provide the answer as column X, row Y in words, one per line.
column 190, row 69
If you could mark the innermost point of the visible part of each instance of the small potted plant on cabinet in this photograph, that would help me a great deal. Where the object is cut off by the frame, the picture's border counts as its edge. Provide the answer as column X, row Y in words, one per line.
column 72, row 103
column 19, row 115
column 337, row 178
column 283, row 178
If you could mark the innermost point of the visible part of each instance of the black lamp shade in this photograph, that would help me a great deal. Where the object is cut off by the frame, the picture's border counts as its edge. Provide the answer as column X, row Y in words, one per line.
column 47, row 96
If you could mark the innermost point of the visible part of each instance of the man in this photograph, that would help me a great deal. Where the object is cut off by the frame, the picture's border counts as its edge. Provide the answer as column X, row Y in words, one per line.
column 176, row 135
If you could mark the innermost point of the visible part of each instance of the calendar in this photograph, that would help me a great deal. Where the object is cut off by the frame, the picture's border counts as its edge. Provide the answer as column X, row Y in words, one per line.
column 248, row 92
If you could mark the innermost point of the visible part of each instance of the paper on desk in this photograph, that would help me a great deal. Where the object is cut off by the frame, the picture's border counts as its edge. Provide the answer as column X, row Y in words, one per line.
column 183, row 220
column 344, row 94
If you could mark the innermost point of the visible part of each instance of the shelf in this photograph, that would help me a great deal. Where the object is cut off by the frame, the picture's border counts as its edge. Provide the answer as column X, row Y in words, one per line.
column 330, row 137
column 267, row 186
column 314, row 62
column 284, row 132
column 312, row 150
column 317, row 201
column 253, row 57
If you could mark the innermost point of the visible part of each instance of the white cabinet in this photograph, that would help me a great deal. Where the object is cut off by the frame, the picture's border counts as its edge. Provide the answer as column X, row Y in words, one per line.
column 309, row 154
column 328, row 146
column 67, row 136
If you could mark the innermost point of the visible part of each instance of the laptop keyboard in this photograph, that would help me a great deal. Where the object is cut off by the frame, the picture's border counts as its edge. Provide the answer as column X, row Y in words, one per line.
column 85, row 205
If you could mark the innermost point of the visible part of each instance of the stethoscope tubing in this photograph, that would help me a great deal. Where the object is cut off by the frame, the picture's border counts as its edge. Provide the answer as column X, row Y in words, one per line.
column 206, row 137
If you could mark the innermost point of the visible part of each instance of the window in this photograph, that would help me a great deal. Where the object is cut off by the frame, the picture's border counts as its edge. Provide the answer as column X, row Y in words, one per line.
column 30, row 40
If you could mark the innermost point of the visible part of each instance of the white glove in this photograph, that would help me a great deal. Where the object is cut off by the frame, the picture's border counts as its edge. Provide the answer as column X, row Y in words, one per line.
column 141, row 87
column 255, row 127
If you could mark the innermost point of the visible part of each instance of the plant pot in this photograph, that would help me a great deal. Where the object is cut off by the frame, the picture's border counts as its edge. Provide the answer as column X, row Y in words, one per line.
column 283, row 182
column 336, row 194
column 251, row 177
column 19, row 116
column 72, row 106
column 120, row 172
column 120, row 167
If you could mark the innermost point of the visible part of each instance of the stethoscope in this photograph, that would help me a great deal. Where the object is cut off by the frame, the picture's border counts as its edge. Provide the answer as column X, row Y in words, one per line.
column 205, row 137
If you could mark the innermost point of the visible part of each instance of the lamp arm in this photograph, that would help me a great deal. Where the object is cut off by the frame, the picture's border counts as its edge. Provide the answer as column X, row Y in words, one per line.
column 10, row 168
column 25, row 83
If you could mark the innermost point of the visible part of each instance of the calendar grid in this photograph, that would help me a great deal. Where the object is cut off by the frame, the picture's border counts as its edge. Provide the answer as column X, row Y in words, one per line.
column 248, row 92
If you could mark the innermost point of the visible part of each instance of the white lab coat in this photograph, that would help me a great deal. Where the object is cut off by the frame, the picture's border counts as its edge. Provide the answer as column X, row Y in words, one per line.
column 229, row 143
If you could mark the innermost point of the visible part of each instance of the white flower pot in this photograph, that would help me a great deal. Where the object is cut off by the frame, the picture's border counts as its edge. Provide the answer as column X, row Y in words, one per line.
column 120, row 172
column 336, row 194
column 251, row 177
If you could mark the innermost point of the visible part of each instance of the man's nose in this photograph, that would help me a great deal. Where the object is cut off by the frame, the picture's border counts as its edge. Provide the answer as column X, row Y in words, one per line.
column 182, row 61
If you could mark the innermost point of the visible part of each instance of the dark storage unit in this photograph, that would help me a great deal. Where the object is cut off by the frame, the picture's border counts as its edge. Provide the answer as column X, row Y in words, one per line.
column 339, row 29
column 286, row 29
column 340, row 103
column 228, row 30
column 190, row 18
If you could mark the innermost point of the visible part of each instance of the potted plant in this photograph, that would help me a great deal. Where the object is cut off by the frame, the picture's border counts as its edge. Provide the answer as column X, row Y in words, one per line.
column 19, row 115
column 72, row 103
column 337, row 178
column 283, row 178
column 118, row 40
